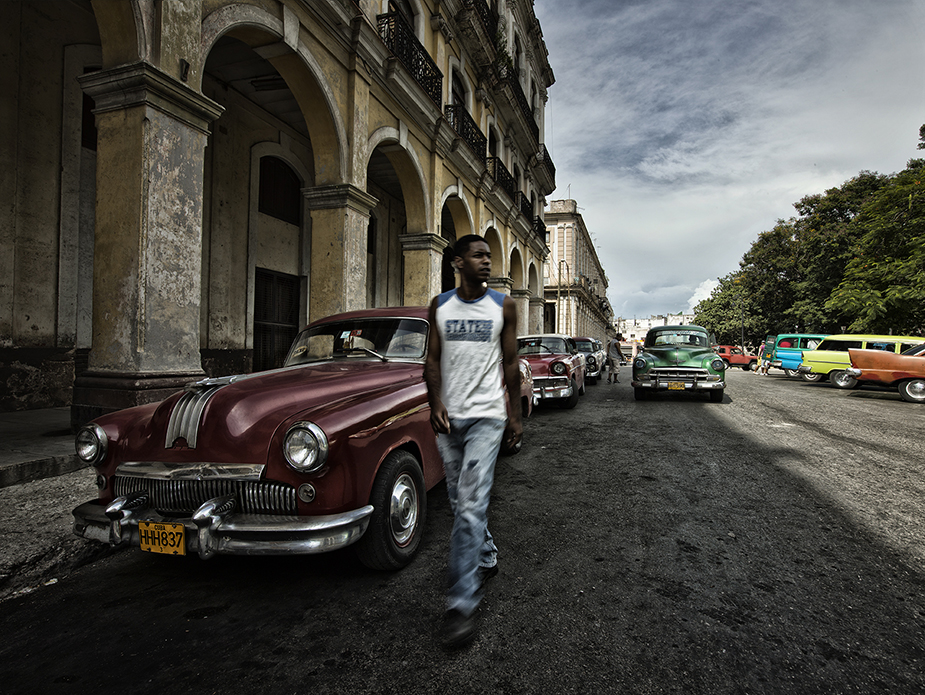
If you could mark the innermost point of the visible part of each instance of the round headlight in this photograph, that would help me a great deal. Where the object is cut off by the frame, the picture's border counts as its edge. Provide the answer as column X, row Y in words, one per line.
column 91, row 444
column 718, row 365
column 558, row 368
column 639, row 364
column 305, row 447
column 591, row 360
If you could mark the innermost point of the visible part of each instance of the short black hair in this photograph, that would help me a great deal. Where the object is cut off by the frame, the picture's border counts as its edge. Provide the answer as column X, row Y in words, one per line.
column 462, row 243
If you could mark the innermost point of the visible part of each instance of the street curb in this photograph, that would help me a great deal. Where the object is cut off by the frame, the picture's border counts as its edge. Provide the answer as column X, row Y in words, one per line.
column 27, row 471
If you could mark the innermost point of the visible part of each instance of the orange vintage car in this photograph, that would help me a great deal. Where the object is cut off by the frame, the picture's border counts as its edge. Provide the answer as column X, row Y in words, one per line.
column 906, row 370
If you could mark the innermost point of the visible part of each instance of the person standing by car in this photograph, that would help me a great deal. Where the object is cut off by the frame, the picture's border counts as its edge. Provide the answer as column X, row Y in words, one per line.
column 614, row 358
column 473, row 330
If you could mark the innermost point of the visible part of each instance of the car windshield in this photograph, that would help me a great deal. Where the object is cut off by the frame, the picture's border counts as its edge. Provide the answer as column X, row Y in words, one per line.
column 679, row 337
column 545, row 345
column 585, row 345
column 373, row 338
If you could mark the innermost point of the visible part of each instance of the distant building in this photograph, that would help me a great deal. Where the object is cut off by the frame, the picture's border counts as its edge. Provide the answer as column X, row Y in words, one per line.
column 635, row 329
column 575, row 285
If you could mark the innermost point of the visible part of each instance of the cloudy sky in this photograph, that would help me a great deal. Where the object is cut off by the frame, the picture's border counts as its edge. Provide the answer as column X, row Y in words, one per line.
column 684, row 128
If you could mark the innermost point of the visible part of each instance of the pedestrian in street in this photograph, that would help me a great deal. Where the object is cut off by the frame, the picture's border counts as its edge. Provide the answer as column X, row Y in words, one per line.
column 473, row 345
column 614, row 358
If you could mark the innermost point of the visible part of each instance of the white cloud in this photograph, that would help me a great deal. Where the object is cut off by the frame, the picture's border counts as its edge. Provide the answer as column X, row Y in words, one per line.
column 685, row 129
column 703, row 291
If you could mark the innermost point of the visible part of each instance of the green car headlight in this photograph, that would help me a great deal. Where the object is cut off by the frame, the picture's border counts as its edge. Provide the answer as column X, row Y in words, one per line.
column 718, row 365
column 305, row 447
column 639, row 364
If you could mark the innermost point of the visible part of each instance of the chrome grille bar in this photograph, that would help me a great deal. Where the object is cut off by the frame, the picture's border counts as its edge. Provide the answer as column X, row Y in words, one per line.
column 679, row 373
column 186, row 496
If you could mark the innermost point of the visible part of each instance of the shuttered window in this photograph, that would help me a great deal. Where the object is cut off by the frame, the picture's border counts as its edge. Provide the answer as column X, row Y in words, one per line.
column 276, row 317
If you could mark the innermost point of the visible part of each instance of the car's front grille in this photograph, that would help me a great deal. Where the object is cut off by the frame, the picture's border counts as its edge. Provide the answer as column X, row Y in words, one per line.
column 678, row 373
column 186, row 496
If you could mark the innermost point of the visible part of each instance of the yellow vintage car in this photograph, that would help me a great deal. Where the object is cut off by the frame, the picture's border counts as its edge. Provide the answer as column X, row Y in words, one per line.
column 830, row 360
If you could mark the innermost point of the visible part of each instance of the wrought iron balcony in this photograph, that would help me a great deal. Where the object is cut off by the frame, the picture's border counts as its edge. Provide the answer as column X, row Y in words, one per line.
column 526, row 207
column 486, row 15
column 399, row 37
column 466, row 129
column 501, row 175
column 543, row 158
column 539, row 228
column 509, row 76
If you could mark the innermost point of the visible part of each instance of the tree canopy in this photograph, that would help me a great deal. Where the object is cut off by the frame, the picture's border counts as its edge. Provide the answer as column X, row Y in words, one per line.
column 852, row 259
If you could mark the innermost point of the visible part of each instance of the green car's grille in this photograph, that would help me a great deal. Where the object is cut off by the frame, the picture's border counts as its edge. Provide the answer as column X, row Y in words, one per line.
column 678, row 373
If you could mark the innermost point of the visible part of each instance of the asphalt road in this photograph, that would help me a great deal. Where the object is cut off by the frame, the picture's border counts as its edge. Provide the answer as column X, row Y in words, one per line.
column 768, row 544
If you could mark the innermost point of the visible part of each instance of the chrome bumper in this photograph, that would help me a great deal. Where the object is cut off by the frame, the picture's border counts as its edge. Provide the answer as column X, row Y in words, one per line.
column 214, row 529
column 662, row 385
column 560, row 387
column 853, row 371
column 804, row 369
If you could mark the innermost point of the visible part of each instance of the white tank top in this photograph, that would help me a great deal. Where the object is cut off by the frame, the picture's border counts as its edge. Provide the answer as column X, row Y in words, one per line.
column 470, row 363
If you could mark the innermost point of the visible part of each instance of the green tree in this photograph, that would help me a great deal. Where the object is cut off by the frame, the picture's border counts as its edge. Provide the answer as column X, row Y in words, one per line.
column 883, row 288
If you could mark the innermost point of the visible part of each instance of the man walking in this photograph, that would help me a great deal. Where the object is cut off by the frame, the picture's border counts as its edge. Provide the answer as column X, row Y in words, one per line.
column 473, row 342
column 614, row 358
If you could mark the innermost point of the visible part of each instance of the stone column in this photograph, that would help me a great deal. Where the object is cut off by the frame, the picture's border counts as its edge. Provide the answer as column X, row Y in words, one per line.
column 147, row 260
column 340, row 218
column 536, row 315
column 522, row 300
column 423, row 256
column 502, row 284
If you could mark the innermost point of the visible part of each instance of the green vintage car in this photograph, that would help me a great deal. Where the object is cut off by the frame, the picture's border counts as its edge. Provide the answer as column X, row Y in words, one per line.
column 678, row 358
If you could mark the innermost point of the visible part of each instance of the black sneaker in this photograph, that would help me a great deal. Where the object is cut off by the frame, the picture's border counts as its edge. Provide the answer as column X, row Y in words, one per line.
column 458, row 629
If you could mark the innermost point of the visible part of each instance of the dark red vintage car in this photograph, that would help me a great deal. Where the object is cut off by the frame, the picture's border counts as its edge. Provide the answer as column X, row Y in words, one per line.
column 906, row 370
column 558, row 368
column 333, row 449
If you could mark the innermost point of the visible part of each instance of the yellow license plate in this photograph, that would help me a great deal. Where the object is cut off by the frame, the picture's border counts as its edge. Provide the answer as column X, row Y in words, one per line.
column 162, row 537
column 675, row 385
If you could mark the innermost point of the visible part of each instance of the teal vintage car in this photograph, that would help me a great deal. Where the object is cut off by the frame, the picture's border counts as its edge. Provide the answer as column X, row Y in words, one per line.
column 678, row 358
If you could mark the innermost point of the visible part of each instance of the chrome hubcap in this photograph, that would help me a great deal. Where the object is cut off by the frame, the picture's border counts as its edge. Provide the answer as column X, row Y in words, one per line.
column 403, row 509
column 916, row 389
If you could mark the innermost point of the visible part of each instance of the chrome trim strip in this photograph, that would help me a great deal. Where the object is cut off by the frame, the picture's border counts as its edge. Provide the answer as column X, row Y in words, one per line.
column 163, row 470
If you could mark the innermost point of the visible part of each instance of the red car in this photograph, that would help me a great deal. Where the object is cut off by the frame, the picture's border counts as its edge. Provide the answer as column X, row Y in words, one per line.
column 558, row 368
column 333, row 449
column 735, row 357
column 906, row 370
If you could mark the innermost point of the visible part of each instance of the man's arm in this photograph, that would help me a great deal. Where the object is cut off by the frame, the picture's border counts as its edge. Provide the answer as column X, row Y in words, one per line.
column 439, row 419
column 514, row 430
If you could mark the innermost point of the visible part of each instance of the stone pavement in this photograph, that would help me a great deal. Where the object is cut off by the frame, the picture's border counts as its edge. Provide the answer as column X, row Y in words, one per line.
column 36, row 444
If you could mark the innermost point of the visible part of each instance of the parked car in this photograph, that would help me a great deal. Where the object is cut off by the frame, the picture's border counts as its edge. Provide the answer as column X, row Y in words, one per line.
column 593, row 352
column 786, row 351
column 736, row 357
column 333, row 449
column 830, row 360
column 905, row 371
column 558, row 369
column 678, row 358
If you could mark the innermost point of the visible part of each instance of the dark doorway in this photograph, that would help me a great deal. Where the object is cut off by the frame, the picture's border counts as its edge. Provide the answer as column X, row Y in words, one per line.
column 276, row 317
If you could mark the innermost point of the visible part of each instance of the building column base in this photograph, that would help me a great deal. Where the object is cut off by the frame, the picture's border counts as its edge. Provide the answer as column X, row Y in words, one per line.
column 97, row 393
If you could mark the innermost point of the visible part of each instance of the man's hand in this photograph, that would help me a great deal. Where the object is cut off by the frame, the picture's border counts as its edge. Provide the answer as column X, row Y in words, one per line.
column 513, row 432
column 439, row 419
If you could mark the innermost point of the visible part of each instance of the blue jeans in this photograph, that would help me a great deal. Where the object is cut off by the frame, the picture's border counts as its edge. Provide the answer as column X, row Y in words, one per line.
column 469, row 453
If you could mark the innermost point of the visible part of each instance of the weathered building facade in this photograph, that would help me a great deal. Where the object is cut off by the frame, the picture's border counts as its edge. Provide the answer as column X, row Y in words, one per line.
column 188, row 182
column 575, row 284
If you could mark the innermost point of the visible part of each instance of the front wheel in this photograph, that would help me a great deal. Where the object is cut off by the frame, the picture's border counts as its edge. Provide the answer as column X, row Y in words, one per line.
column 790, row 372
column 811, row 376
column 716, row 396
column 842, row 379
column 399, row 507
column 913, row 390
column 726, row 362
